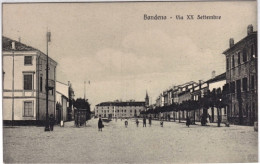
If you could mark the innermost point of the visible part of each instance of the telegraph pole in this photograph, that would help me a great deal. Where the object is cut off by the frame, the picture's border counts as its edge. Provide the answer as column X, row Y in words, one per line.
column 13, row 92
column 47, row 84
column 84, row 90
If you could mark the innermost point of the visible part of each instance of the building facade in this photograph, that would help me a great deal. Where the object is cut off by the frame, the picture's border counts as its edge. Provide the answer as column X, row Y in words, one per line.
column 62, row 97
column 24, row 81
column 241, row 75
column 119, row 109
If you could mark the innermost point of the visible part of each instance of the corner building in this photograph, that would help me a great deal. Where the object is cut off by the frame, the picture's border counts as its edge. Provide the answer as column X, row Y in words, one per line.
column 241, row 76
column 24, row 81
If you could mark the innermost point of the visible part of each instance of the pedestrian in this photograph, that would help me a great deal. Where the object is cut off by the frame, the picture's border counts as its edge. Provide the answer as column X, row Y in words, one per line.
column 52, row 122
column 150, row 120
column 144, row 122
column 137, row 122
column 161, row 123
column 126, row 122
column 219, row 120
column 100, row 124
column 188, row 122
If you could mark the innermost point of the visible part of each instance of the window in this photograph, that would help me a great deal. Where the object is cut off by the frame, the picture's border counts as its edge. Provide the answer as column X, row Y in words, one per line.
column 227, row 63
column 28, row 85
column 233, row 61
column 28, row 60
column 41, row 84
column 252, row 82
column 232, row 87
column 245, row 84
column 238, row 86
column 244, row 55
column 28, row 109
column 130, row 111
column 238, row 58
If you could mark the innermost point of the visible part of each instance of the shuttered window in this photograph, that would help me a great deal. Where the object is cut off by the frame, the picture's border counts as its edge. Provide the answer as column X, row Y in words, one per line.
column 28, row 60
column 28, row 109
column 28, row 84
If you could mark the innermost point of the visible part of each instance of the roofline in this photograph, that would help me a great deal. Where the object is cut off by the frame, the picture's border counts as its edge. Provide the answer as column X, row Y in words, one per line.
column 229, row 49
column 35, row 49
column 62, row 82
column 62, row 94
column 111, row 102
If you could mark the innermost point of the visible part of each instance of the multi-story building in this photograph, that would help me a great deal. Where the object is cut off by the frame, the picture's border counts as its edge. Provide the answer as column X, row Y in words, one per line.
column 119, row 109
column 241, row 76
column 24, row 80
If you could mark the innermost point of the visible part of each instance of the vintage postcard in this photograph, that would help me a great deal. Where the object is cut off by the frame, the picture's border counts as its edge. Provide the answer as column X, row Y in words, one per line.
column 130, row 82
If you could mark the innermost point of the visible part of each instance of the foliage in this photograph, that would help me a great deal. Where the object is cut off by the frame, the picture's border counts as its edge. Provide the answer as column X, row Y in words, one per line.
column 83, row 104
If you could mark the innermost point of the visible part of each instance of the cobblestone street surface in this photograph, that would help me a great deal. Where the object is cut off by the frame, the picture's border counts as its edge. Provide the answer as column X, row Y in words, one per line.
column 116, row 144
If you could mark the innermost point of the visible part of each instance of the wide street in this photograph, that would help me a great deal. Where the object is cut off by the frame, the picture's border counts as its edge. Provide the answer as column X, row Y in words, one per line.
column 116, row 144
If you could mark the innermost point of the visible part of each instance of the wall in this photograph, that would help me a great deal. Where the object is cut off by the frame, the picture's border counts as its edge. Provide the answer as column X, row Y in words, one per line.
column 120, row 111
column 20, row 95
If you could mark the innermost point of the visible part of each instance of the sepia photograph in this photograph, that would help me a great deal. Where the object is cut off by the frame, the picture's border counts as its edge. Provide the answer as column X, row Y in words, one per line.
column 130, row 82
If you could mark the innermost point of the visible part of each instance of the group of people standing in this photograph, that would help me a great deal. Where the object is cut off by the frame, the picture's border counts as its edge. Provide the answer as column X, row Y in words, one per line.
column 137, row 122
column 101, row 125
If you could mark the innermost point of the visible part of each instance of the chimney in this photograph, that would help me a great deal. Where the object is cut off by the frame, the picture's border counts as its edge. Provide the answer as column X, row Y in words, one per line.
column 68, row 83
column 13, row 45
column 213, row 74
column 231, row 42
column 249, row 29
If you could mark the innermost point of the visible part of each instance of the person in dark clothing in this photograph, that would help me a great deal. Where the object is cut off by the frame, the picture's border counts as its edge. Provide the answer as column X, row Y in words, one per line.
column 161, row 123
column 144, row 122
column 188, row 122
column 150, row 120
column 137, row 122
column 100, row 124
column 52, row 122
column 126, row 123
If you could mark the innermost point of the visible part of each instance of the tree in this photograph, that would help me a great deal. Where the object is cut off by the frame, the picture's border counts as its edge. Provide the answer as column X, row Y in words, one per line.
column 83, row 104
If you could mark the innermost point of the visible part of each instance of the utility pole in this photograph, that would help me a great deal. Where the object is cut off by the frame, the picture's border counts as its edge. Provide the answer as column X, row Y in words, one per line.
column 13, row 93
column 47, row 84
column 84, row 90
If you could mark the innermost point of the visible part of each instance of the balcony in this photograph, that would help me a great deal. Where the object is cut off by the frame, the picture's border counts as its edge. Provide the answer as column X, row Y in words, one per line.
column 51, row 84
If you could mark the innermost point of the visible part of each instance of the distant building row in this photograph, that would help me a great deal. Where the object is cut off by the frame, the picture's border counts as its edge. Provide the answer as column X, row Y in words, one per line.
column 239, row 83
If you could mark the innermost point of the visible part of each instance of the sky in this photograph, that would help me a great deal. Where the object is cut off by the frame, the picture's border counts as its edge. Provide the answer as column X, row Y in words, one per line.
column 123, row 55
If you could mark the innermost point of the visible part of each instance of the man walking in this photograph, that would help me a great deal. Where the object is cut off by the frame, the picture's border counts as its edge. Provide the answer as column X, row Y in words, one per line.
column 137, row 122
column 144, row 122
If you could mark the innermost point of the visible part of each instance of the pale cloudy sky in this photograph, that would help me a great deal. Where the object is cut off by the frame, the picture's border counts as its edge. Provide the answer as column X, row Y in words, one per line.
column 110, row 45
